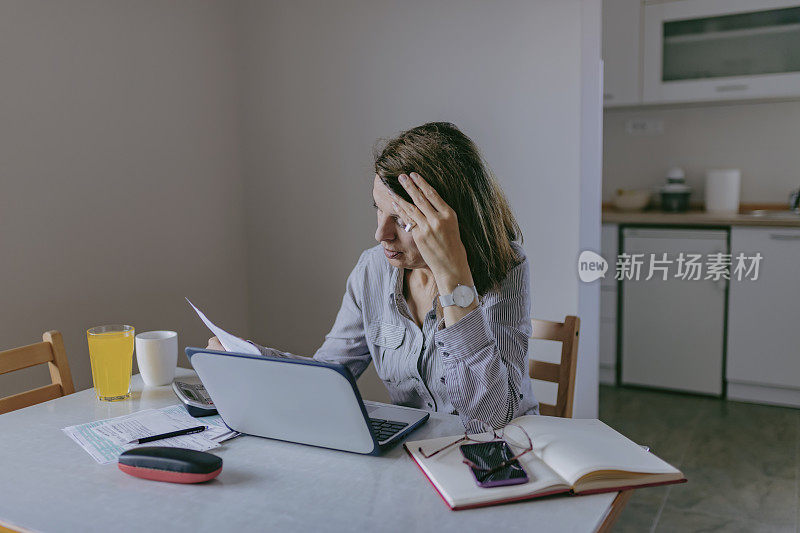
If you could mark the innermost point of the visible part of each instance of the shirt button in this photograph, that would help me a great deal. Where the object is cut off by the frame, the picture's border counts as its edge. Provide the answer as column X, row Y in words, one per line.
column 445, row 354
column 441, row 379
column 439, row 343
column 430, row 404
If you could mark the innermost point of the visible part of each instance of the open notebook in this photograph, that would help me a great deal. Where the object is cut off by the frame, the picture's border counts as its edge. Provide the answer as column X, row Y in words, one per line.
column 569, row 455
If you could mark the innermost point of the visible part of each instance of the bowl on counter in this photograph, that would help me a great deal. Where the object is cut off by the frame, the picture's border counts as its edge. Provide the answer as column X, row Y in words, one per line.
column 631, row 199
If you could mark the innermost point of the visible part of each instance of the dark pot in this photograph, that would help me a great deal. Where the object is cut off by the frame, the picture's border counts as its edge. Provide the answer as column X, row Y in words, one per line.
column 675, row 202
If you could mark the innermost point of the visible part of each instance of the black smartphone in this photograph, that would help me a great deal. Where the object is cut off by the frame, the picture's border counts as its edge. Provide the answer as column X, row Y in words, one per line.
column 488, row 455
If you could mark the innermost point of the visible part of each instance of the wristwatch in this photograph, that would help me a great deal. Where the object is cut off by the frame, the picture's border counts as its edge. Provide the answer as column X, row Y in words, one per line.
column 462, row 296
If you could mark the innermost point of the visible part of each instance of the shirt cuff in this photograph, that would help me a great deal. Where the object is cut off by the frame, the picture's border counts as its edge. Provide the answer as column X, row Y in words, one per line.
column 260, row 348
column 466, row 337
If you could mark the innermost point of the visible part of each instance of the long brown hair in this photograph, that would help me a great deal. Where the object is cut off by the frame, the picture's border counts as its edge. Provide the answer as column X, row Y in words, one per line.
column 451, row 163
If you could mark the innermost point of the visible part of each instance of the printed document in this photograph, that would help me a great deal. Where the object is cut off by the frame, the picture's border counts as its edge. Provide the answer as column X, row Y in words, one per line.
column 231, row 343
column 105, row 440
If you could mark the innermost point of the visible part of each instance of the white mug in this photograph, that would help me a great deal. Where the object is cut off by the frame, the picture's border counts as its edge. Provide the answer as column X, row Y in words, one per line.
column 157, row 356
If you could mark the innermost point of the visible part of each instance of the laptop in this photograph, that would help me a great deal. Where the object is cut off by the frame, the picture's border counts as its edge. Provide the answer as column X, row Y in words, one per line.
column 300, row 400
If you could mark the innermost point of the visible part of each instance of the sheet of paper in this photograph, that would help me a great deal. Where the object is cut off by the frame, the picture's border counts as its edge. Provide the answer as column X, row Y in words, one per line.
column 105, row 440
column 231, row 343
column 102, row 449
column 154, row 422
column 219, row 433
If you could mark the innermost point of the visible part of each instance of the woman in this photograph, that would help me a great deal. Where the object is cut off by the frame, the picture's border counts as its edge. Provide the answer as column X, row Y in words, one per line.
column 441, row 305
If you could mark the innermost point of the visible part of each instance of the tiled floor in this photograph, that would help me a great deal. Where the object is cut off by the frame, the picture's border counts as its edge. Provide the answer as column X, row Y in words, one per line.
column 742, row 462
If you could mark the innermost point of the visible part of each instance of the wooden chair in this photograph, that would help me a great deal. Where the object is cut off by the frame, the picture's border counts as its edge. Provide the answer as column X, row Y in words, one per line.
column 50, row 351
column 562, row 373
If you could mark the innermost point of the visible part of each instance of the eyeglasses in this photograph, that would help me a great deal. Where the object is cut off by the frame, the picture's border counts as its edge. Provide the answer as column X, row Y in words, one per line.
column 513, row 434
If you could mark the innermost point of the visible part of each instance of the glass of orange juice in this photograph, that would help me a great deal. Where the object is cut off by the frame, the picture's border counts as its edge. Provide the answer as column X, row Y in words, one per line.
column 111, row 355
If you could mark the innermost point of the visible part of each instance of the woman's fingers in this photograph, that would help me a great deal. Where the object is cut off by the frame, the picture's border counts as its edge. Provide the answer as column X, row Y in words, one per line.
column 417, row 195
column 409, row 213
column 430, row 193
column 401, row 206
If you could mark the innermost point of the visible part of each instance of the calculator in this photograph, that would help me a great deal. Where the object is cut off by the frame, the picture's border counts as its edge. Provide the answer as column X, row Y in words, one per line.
column 195, row 398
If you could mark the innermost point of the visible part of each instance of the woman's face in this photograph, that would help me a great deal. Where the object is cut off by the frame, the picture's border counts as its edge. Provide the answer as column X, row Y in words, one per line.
column 398, row 244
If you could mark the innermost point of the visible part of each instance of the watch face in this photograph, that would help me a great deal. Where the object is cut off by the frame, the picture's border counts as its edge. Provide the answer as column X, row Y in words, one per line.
column 463, row 296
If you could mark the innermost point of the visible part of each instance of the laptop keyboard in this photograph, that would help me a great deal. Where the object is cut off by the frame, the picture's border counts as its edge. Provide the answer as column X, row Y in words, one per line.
column 385, row 429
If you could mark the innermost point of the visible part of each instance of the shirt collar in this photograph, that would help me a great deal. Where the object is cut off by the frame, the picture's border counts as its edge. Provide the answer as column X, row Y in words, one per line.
column 395, row 284
column 396, row 287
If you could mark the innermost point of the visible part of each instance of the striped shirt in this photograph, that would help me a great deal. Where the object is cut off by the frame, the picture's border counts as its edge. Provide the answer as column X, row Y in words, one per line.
column 476, row 368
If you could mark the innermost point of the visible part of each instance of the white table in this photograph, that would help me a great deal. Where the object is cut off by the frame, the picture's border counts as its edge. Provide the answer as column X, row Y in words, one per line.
column 48, row 483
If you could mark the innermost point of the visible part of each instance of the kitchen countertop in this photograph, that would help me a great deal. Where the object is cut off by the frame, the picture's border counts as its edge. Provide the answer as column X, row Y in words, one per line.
column 696, row 217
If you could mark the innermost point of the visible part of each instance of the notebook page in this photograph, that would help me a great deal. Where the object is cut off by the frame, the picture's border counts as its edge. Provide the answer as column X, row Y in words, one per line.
column 454, row 481
column 576, row 447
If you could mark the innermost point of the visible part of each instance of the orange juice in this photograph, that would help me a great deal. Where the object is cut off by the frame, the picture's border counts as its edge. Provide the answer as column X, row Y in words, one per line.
column 111, row 355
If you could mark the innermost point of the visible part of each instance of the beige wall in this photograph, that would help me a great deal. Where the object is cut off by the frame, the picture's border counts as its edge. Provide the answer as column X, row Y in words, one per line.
column 232, row 141
column 120, row 184
column 759, row 138
column 324, row 80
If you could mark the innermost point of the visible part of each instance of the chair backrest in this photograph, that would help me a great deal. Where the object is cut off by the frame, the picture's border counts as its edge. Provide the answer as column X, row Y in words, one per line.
column 562, row 373
column 50, row 351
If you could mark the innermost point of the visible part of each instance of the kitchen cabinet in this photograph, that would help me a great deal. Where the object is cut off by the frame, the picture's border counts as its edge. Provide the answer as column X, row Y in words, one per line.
column 608, row 306
column 621, row 52
column 672, row 333
column 705, row 50
column 763, row 354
